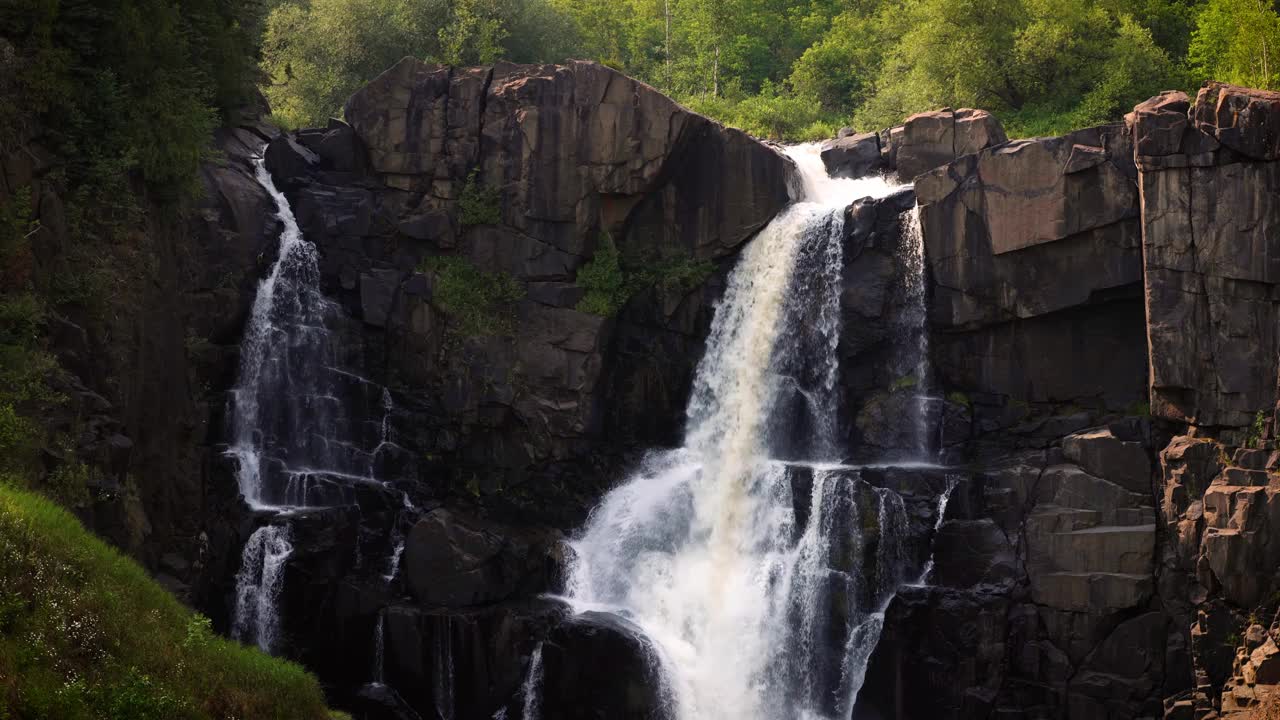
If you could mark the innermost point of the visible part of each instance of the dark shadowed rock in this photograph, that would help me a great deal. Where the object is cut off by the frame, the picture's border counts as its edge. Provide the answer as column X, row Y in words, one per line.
column 598, row 666
column 454, row 561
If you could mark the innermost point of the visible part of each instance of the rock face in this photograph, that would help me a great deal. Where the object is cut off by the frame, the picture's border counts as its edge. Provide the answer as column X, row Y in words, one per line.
column 1210, row 243
column 1041, row 602
column 1034, row 249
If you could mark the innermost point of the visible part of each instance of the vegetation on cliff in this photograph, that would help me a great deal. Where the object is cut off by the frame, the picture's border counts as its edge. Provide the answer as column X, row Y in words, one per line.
column 85, row 633
column 107, row 109
column 787, row 69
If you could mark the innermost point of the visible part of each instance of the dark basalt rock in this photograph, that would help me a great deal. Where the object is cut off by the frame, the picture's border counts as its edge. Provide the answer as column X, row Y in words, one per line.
column 454, row 561
column 598, row 666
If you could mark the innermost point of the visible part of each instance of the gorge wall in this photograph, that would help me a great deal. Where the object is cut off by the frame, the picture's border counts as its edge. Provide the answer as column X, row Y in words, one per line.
column 1101, row 338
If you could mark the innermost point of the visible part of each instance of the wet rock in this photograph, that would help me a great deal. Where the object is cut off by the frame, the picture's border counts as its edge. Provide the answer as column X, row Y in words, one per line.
column 853, row 156
column 598, row 666
column 454, row 561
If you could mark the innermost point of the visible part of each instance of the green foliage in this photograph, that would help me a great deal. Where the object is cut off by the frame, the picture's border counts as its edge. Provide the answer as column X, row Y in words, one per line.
column 606, row 288
column 1237, row 41
column 959, row 398
column 477, row 302
column 315, row 53
column 1047, row 65
column 1254, row 437
column 479, row 204
column 906, row 382
column 784, row 69
column 123, row 86
column 85, row 634
column 771, row 114
column 610, row 280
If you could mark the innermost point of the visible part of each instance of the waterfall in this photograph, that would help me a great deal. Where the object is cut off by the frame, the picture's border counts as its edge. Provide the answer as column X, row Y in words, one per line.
column 943, row 499
column 291, row 435
column 529, row 691
column 379, row 651
column 258, row 586
column 699, row 547
column 913, row 330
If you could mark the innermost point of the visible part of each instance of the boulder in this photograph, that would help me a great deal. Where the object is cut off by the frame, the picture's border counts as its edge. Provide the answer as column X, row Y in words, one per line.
column 853, row 156
column 934, row 139
column 1245, row 120
column 1101, row 453
column 598, row 666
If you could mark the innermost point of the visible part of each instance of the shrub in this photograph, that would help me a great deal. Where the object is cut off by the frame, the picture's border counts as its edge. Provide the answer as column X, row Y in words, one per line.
column 611, row 280
column 479, row 204
column 478, row 302
column 606, row 288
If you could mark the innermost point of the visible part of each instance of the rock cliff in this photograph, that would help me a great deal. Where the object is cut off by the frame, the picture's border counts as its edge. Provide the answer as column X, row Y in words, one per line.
column 525, row 261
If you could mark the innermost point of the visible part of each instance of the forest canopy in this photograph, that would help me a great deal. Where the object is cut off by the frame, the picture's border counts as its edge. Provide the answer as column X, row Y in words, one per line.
column 794, row 69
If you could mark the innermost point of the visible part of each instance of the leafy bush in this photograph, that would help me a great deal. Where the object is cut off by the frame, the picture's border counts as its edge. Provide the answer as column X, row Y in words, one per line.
column 85, row 633
column 479, row 204
column 478, row 302
column 611, row 280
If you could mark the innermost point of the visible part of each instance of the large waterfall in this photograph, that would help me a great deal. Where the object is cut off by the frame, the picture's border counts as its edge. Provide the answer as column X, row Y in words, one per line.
column 742, row 555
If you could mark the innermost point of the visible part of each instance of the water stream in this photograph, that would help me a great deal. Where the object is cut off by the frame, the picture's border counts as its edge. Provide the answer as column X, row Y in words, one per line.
column 702, row 549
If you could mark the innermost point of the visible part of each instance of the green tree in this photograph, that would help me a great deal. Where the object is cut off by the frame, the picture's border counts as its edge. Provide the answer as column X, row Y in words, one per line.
column 1237, row 41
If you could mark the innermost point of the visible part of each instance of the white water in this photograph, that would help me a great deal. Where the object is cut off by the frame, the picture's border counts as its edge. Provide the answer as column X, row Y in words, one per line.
column 943, row 499
column 258, row 586
column 530, row 690
column 699, row 547
column 379, row 651
column 913, row 330
column 293, row 436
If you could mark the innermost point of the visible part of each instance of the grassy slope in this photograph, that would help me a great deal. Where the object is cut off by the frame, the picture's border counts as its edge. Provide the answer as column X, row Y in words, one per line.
column 85, row 633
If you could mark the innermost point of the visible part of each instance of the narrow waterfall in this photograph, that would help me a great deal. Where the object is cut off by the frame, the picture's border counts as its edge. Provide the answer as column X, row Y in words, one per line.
column 943, row 499
column 701, row 548
column 529, row 691
column 913, row 329
column 379, row 650
column 298, row 433
column 258, row 586
column 293, row 437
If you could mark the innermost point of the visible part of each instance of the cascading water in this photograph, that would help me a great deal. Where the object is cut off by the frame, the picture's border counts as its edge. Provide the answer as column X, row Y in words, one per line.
column 529, row 690
column 913, row 365
column 296, row 430
column 293, row 438
column 702, row 548
column 258, row 586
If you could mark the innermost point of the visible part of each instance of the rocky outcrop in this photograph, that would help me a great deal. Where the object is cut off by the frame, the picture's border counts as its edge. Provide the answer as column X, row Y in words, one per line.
column 1208, row 172
column 147, row 353
column 923, row 142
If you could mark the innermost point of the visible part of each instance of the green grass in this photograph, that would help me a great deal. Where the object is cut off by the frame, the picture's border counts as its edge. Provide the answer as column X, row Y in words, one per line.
column 86, row 634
